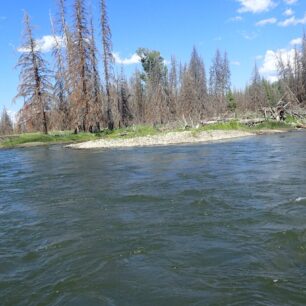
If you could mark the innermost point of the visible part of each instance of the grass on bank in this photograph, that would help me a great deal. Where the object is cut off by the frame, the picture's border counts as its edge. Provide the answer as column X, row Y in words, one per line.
column 235, row 125
column 40, row 138
column 132, row 132
column 25, row 139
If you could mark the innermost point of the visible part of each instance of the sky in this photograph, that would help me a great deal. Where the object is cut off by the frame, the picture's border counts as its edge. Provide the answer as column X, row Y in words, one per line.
column 249, row 30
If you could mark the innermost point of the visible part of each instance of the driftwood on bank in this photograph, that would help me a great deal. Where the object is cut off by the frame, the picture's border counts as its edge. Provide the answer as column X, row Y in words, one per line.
column 252, row 121
column 287, row 105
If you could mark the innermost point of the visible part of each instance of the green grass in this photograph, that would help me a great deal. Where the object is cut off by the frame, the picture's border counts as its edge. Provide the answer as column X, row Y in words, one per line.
column 54, row 137
column 295, row 121
column 234, row 125
column 291, row 120
column 272, row 125
column 224, row 126
column 131, row 132
column 68, row 137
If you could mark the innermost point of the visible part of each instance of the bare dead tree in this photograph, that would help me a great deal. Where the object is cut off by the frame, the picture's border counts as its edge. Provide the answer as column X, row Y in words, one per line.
column 173, row 87
column 255, row 91
column 138, row 98
column 193, row 93
column 60, row 92
column 107, row 61
column 96, row 105
column 35, row 86
column 303, row 69
column 68, row 55
column 219, row 81
column 81, row 95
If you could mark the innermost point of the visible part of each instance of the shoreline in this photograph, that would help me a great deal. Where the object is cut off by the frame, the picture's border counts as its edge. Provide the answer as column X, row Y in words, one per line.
column 145, row 136
column 171, row 138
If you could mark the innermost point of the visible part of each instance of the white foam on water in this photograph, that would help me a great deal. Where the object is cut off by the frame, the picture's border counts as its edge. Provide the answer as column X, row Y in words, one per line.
column 300, row 199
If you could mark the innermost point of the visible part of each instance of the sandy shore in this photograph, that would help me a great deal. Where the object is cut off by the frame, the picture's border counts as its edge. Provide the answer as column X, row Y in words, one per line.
column 163, row 139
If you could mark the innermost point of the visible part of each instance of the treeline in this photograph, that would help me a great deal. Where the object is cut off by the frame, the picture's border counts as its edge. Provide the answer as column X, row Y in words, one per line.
column 6, row 124
column 73, row 96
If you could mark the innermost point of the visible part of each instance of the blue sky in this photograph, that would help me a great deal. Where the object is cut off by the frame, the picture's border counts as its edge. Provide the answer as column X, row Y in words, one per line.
column 250, row 30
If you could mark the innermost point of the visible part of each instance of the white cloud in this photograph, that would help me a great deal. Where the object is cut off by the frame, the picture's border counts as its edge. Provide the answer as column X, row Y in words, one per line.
column 296, row 41
column 292, row 21
column 290, row 2
column 236, row 63
column 255, row 6
column 249, row 36
column 134, row 59
column 236, row 19
column 45, row 44
column 270, row 63
column 266, row 21
column 258, row 57
column 288, row 12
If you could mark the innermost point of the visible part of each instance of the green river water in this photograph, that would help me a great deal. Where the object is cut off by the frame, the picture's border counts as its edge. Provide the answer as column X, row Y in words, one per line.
column 211, row 224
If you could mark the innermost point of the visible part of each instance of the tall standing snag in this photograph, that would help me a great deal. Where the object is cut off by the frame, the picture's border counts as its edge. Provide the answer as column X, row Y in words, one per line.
column 34, row 85
column 82, row 64
column 60, row 86
column 96, row 97
column 107, row 61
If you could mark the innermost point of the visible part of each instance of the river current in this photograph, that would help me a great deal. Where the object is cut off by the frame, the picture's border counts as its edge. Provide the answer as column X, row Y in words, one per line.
column 208, row 224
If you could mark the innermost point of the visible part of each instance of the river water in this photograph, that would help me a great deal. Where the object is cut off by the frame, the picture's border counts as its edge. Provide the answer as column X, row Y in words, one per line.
column 211, row 224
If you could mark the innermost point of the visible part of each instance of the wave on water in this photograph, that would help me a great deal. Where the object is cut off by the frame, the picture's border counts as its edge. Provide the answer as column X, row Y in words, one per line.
column 300, row 199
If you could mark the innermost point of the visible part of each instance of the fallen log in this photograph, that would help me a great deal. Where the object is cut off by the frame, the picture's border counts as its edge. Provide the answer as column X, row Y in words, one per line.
column 248, row 122
column 301, row 126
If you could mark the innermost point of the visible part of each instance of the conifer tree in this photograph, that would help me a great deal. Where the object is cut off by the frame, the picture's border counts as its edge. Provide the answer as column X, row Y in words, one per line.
column 6, row 124
column 81, row 70
column 107, row 62
column 35, row 86
column 96, row 109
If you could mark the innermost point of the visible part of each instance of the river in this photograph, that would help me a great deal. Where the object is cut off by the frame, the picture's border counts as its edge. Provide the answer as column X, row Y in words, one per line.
column 207, row 224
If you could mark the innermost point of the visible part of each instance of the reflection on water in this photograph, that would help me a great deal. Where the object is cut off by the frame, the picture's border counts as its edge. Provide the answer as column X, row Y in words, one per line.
column 219, row 223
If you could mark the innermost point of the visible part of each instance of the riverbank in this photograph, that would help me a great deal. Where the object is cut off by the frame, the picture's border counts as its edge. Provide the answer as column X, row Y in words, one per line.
column 40, row 139
column 140, row 136
column 171, row 138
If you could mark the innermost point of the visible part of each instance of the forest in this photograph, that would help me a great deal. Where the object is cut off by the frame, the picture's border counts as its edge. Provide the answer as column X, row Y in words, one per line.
column 71, row 93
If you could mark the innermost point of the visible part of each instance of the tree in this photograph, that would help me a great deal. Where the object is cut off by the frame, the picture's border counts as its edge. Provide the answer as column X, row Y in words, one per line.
column 173, row 87
column 255, row 90
column 123, row 102
column 81, row 71
column 152, row 64
column 34, row 86
column 60, row 86
column 96, row 90
column 154, row 76
column 107, row 61
column 219, row 81
column 303, row 72
column 231, row 101
column 271, row 92
column 6, row 124
column 194, row 88
column 138, row 97
column 69, row 50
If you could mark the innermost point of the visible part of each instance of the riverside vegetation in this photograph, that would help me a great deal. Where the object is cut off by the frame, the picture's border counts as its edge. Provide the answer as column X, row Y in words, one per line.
column 67, row 137
column 73, row 95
